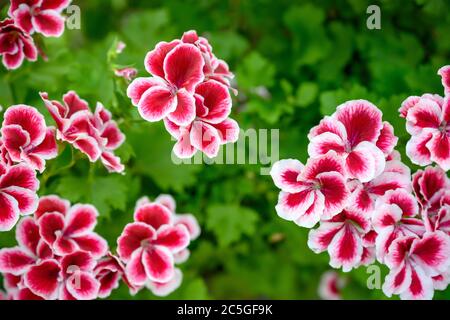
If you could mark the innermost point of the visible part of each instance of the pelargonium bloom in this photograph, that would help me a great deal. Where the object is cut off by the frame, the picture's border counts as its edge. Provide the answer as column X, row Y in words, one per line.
column 211, row 128
column 312, row 192
column 71, row 231
column 430, row 185
column 353, row 132
column 15, row 45
column 41, row 16
column 27, row 138
column 94, row 134
column 394, row 217
column 70, row 278
column 343, row 237
column 330, row 286
column 427, row 119
column 176, row 69
column 127, row 73
column 413, row 262
column 148, row 245
column 18, row 186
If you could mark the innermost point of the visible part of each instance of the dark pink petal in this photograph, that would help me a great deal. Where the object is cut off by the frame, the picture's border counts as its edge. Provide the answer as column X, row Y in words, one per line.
column 365, row 161
column 409, row 103
column 314, row 213
column 404, row 200
column 228, row 131
column 285, row 175
column 135, row 269
column 92, row 243
column 26, row 295
column 291, row 206
column 158, row 264
column 175, row 130
column 29, row 119
column 51, row 204
column 217, row 100
column 398, row 251
column 325, row 142
column 74, row 104
column 57, row 5
column 421, row 287
column 326, row 163
column 113, row 135
column 183, row 67
column 15, row 139
column 50, row 225
column 27, row 235
column 80, row 220
column 320, row 239
column 328, row 125
column 154, row 215
column 173, row 238
column 63, row 246
column 333, row 187
column 444, row 72
column 183, row 149
column 190, row 37
column 361, row 119
column 7, row 44
column 83, row 286
column 89, row 146
column 204, row 137
column 191, row 223
column 387, row 140
column 330, row 286
column 361, row 200
column 20, row 176
column 49, row 23
column 398, row 280
column 9, row 212
column 439, row 147
column 15, row 261
column 345, row 249
column 111, row 162
column 77, row 261
column 156, row 103
column 43, row 279
column 29, row 48
column 428, row 183
column 13, row 61
column 22, row 17
column 48, row 149
column 165, row 199
column 433, row 252
column 184, row 114
column 388, row 181
column 139, row 86
column 131, row 239
column 27, row 200
column 425, row 114
column 164, row 289
column 154, row 61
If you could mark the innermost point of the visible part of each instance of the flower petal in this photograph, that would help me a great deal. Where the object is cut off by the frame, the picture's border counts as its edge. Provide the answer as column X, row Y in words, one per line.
column 42, row 279
column 158, row 264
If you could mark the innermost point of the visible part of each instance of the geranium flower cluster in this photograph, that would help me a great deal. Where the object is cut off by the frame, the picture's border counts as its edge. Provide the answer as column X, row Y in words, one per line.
column 365, row 203
column 60, row 257
column 27, row 17
column 25, row 144
column 427, row 120
column 189, row 89
column 156, row 241
column 93, row 133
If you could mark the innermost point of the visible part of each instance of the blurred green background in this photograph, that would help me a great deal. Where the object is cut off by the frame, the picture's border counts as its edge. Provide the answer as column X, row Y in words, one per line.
column 294, row 61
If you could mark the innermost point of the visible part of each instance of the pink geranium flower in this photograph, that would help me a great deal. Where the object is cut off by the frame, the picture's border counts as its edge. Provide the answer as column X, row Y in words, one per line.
column 353, row 132
column 94, row 134
column 330, row 286
column 41, row 16
column 147, row 245
column 413, row 262
column 27, row 138
column 312, row 192
column 18, row 186
column 15, row 45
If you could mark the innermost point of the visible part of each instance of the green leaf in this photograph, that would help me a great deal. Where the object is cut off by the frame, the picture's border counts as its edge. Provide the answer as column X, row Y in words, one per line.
column 307, row 93
column 230, row 223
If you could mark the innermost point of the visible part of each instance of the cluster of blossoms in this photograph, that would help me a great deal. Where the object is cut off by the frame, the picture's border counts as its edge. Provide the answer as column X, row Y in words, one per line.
column 59, row 256
column 367, row 205
column 93, row 133
column 189, row 89
column 27, row 17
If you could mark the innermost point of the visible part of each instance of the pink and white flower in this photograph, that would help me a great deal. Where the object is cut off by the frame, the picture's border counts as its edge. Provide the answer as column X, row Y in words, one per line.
column 127, row 73
column 312, row 192
column 413, row 262
column 148, row 245
column 353, row 132
column 73, row 231
column 41, row 16
column 330, row 286
column 18, row 186
column 16, row 45
column 26, row 137
column 343, row 237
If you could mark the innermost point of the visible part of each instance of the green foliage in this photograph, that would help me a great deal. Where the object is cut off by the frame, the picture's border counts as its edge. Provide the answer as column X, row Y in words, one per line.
column 294, row 61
